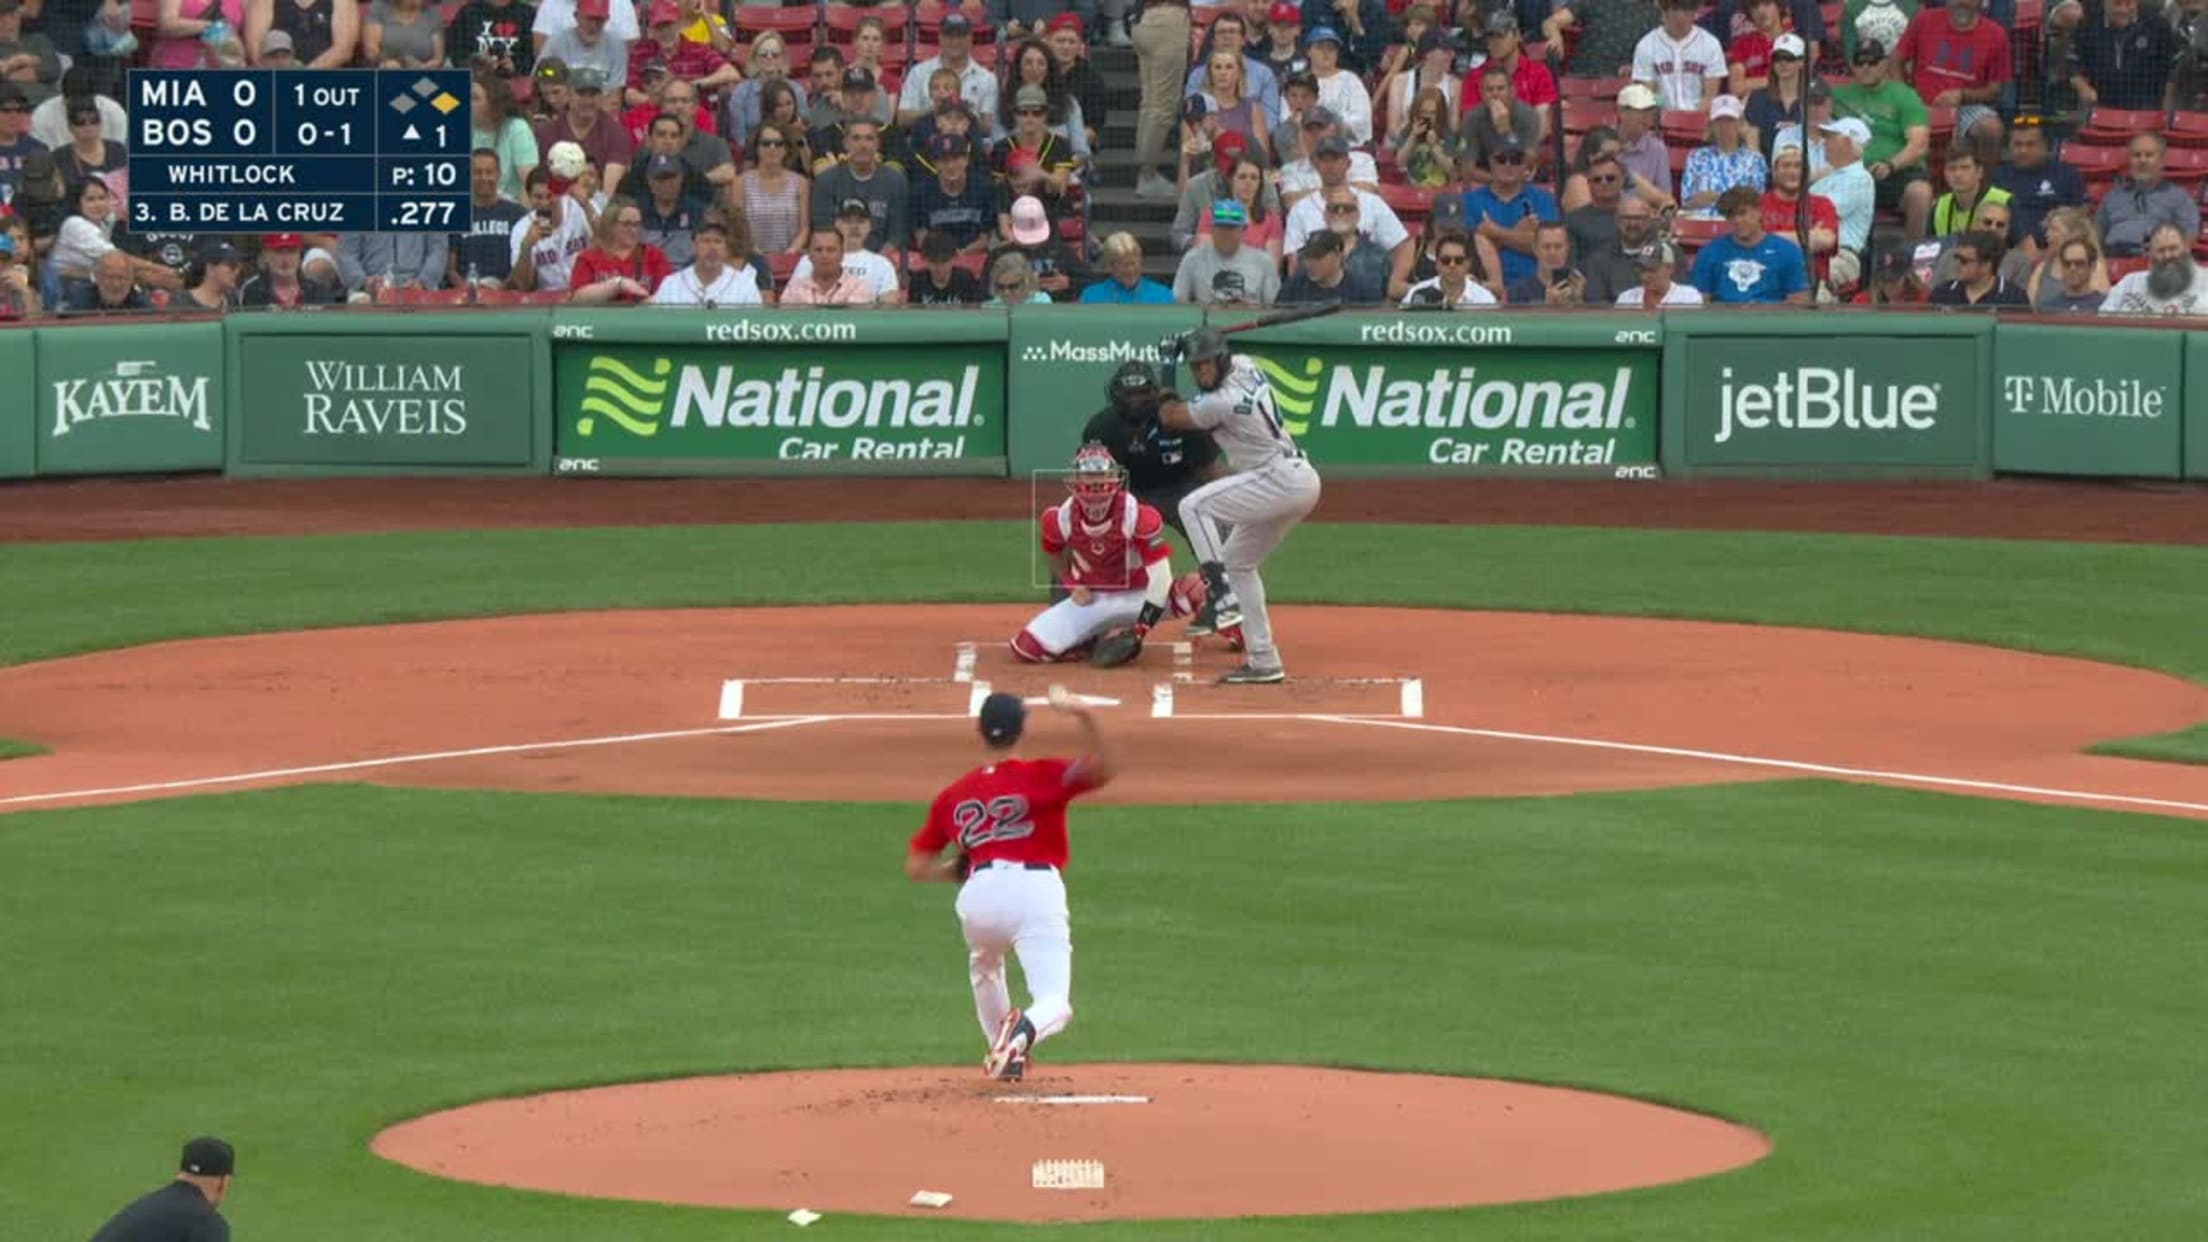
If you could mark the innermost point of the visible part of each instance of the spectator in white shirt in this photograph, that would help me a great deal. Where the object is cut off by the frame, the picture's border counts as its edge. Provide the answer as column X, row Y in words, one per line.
column 1300, row 176
column 976, row 85
column 1659, row 265
column 546, row 241
column 554, row 16
column 1854, row 195
column 1375, row 219
column 854, row 220
column 1680, row 61
column 1452, row 285
column 1340, row 91
column 2172, row 284
column 710, row 281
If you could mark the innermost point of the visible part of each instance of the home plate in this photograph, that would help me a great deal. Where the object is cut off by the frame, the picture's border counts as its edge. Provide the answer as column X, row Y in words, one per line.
column 1072, row 1099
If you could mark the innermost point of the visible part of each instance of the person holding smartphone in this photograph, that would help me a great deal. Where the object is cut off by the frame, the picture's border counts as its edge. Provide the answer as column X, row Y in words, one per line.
column 1555, row 282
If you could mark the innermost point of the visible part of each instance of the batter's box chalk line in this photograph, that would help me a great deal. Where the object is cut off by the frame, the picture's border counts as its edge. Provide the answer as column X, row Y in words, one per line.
column 1068, row 1175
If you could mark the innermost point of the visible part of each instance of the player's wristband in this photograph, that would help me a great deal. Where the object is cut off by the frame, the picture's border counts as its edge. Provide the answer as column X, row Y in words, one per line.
column 1148, row 618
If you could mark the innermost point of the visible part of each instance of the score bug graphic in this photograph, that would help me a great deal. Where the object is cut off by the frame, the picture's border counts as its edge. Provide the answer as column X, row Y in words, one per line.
column 283, row 151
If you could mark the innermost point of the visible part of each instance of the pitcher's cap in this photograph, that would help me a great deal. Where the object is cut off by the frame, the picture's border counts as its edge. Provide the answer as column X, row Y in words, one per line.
column 1003, row 717
column 208, row 1157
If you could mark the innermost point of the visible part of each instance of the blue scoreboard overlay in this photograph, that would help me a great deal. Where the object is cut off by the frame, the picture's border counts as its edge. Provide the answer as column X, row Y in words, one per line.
column 299, row 150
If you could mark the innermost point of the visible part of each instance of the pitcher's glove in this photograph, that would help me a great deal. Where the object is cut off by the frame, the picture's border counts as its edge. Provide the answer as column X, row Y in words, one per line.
column 1118, row 647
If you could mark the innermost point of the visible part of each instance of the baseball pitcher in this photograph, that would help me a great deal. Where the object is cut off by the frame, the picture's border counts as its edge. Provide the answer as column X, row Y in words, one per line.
column 1273, row 487
column 1109, row 551
column 1007, row 822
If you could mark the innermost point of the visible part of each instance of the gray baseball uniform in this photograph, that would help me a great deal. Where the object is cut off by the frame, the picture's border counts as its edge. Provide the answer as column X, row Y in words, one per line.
column 1273, row 487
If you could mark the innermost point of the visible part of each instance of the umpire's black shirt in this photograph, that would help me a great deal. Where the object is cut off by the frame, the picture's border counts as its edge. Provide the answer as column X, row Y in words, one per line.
column 175, row 1213
column 1157, row 460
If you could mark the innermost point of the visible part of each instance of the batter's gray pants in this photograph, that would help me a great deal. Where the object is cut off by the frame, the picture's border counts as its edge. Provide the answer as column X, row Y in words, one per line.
column 1260, row 507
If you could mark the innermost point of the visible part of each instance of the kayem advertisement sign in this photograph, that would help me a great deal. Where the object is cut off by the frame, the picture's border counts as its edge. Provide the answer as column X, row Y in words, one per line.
column 646, row 409
column 1887, row 402
column 1533, row 410
column 130, row 397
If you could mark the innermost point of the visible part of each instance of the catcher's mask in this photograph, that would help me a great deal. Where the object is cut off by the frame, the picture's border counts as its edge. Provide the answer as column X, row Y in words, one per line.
column 1135, row 388
column 1097, row 480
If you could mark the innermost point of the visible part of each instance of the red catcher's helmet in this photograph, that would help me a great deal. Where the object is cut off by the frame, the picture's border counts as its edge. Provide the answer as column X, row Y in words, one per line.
column 1097, row 480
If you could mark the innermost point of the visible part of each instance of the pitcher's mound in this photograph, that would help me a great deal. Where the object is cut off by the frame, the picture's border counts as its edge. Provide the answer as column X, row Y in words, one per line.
column 1173, row 1140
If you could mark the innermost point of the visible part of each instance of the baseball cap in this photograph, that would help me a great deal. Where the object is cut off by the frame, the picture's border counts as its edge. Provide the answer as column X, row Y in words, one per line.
column 1432, row 41
column 1321, row 242
column 1506, row 144
column 858, row 78
column 283, row 241
column 552, row 69
column 1032, row 96
column 1002, row 716
column 208, row 1157
column 957, row 24
column 1819, row 92
column 1789, row 44
column 1320, row 118
column 1892, row 263
column 1447, row 213
column 1869, row 52
column 593, row 8
column 1227, row 148
column 1501, row 23
column 1322, row 34
column 11, row 93
column 275, row 41
column 1658, row 253
column 586, row 79
column 1030, row 223
column 944, row 146
column 1066, row 21
column 663, row 11
column 1637, row 96
column 1848, row 127
column 938, row 246
column 1284, row 14
column 220, row 252
column 1229, row 214
column 854, row 207
column 1332, row 144
column 1194, row 108
column 1727, row 106
column 663, row 165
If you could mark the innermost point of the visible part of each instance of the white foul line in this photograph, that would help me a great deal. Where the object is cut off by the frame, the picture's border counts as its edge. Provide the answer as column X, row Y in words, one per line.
column 974, row 700
column 356, row 765
column 963, row 668
column 732, row 699
column 1071, row 1099
column 1161, row 700
column 1790, row 765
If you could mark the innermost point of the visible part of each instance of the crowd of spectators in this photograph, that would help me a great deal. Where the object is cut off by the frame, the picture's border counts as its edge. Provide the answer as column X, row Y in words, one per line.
column 1422, row 155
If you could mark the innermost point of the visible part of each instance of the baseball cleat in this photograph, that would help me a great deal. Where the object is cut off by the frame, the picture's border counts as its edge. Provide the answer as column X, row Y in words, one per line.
column 1228, row 618
column 1009, row 1049
column 1232, row 636
column 1252, row 675
column 1200, row 627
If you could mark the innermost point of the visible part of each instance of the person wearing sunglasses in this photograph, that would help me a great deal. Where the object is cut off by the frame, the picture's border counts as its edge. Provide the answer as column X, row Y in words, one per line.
column 2073, row 292
column 89, row 151
column 1509, row 212
column 1451, row 286
column 1978, row 283
column 1012, row 282
column 27, row 59
column 1901, row 135
column 16, row 143
column 622, row 267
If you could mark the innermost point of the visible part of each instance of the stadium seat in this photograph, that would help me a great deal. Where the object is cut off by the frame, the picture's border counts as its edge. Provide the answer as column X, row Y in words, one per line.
column 145, row 19
column 2113, row 127
column 1411, row 203
column 790, row 23
column 2030, row 16
column 2096, row 163
column 1694, row 232
column 1685, row 127
column 1574, row 87
column 2124, row 265
column 928, row 15
column 2187, row 166
column 2187, row 129
column 842, row 21
column 780, row 266
column 1581, row 115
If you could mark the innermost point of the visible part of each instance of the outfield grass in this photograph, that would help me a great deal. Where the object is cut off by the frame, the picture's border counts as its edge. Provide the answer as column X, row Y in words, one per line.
column 10, row 748
column 1958, row 1018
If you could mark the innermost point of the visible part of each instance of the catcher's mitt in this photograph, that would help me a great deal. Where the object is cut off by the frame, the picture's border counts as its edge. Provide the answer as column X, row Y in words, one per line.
column 1119, row 647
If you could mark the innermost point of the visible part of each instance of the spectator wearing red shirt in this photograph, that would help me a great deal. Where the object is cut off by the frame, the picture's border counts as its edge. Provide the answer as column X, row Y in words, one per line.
column 588, row 124
column 663, row 51
column 1748, row 56
column 621, row 267
column 1530, row 80
column 1957, row 58
column 1782, row 202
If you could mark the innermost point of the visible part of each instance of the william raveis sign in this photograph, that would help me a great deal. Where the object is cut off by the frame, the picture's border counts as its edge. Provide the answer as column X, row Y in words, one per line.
column 385, row 399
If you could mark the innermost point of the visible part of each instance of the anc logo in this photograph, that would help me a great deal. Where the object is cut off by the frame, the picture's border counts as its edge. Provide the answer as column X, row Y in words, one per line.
column 631, row 399
column 1295, row 396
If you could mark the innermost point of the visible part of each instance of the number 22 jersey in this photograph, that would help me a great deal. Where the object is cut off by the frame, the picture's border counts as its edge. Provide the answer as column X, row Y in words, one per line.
column 1010, row 811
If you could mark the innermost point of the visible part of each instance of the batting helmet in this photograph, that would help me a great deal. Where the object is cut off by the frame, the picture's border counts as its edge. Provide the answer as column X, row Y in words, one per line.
column 1203, row 343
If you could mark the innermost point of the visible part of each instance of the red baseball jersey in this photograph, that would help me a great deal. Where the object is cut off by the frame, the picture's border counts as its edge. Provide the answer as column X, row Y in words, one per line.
column 1010, row 811
column 1110, row 555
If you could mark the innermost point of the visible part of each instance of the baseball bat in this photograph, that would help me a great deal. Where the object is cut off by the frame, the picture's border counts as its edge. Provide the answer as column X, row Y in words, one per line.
column 1295, row 314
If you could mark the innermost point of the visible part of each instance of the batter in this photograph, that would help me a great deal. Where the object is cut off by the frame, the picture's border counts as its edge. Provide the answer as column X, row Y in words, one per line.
column 1007, row 820
column 1273, row 487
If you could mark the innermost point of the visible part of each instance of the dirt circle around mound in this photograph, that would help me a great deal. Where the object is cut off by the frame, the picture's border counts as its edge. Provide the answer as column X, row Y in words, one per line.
column 1173, row 1141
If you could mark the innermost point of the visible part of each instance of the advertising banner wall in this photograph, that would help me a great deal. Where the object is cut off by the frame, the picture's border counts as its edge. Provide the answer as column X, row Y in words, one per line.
column 18, row 403
column 1061, row 359
column 2196, row 405
column 130, row 397
column 2077, row 400
column 1467, row 394
column 1838, row 395
column 402, row 393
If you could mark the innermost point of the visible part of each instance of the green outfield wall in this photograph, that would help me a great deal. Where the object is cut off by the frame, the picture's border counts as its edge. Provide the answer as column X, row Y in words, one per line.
column 636, row 391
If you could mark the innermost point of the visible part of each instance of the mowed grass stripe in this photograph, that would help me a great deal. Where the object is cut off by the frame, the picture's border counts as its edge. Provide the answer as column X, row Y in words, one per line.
column 1957, row 1018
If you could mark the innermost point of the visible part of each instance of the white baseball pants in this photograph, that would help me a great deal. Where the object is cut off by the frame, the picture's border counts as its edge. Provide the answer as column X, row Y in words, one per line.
column 1004, row 907
column 1066, row 625
column 1260, row 507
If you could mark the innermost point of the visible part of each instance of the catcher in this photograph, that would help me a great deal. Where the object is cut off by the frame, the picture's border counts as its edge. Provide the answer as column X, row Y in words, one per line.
column 1109, row 551
column 1162, row 466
